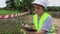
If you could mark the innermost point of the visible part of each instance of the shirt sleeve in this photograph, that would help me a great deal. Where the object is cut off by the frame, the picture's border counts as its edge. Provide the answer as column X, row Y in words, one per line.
column 47, row 24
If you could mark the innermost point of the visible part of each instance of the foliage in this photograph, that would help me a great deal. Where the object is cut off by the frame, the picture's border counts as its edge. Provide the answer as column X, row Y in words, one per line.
column 10, row 3
column 23, row 5
column 53, row 8
column 27, row 5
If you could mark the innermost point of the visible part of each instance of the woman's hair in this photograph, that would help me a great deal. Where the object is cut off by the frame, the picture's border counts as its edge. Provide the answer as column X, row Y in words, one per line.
column 39, row 5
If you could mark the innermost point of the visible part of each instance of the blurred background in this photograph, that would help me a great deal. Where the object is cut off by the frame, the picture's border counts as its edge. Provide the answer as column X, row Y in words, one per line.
column 13, row 25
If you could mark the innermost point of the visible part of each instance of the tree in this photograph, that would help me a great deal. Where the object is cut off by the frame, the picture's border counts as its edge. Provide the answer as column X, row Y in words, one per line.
column 27, row 5
column 17, row 3
column 23, row 5
column 10, row 4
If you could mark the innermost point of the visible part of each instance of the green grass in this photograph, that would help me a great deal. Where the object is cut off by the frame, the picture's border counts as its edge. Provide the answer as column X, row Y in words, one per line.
column 10, row 26
column 6, row 12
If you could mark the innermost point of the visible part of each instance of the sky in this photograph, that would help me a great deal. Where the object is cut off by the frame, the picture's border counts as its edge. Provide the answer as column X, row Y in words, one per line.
column 50, row 3
column 2, row 3
column 54, row 2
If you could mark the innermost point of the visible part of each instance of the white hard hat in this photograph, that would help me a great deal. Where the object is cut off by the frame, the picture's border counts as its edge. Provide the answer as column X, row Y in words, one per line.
column 40, row 2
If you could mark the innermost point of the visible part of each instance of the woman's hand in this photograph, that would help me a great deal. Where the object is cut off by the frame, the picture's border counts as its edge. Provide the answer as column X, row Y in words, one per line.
column 26, row 26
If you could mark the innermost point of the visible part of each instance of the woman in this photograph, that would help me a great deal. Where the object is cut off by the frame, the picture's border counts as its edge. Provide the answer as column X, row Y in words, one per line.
column 42, row 20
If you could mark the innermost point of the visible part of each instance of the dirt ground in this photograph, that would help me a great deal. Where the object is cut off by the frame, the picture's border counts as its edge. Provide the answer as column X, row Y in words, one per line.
column 56, row 22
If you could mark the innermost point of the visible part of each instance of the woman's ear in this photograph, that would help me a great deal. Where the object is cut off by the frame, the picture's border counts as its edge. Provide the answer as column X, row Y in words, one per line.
column 43, row 8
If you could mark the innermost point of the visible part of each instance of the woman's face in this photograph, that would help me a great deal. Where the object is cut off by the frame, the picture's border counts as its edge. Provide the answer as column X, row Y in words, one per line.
column 38, row 9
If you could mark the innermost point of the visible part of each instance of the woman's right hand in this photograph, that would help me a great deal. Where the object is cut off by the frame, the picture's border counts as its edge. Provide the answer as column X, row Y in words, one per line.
column 26, row 26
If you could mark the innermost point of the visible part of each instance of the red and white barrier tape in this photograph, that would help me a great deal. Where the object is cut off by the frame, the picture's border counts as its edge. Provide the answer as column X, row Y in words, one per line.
column 9, row 16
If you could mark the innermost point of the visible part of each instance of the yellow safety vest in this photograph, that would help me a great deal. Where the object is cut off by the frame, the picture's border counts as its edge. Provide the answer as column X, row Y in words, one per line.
column 42, row 19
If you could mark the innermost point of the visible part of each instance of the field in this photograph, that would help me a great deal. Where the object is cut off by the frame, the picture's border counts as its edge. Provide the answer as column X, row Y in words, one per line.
column 13, row 25
column 6, row 12
column 10, row 25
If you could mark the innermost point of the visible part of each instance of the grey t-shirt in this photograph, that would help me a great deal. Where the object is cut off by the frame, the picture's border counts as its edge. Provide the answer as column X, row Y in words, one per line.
column 47, row 24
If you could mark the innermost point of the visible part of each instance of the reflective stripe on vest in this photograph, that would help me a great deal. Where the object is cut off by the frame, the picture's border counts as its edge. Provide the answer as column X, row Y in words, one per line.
column 42, row 19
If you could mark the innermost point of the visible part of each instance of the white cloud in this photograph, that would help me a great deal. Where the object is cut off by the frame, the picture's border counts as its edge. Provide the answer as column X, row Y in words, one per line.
column 51, row 3
column 54, row 3
column 2, row 3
